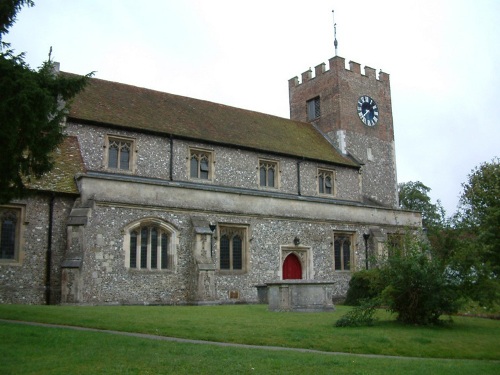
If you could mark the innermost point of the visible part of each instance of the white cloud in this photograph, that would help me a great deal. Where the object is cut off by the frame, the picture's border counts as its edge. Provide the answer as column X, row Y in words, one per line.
column 442, row 57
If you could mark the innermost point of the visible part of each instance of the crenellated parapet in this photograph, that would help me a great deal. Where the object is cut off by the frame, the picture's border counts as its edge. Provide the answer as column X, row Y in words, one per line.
column 328, row 96
column 337, row 65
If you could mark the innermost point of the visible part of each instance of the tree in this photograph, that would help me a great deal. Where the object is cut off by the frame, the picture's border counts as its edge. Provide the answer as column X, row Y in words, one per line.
column 440, row 233
column 32, row 106
column 479, row 211
column 414, row 196
column 8, row 12
column 476, row 254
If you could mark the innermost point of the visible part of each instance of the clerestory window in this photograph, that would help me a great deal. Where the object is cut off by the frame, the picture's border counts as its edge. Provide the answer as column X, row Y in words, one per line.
column 268, row 172
column 326, row 182
column 199, row 164
column 120, row 153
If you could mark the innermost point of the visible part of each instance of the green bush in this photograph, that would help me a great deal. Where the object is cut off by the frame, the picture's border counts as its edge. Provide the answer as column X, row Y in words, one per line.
column 361, row 315
column 364, row 285
column 418, row 288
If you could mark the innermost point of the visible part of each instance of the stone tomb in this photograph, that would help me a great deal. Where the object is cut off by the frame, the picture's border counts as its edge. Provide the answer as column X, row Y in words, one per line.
column 300, row 295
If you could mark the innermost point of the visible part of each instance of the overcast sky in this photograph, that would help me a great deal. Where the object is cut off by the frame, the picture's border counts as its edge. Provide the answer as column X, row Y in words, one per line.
column 443, row 57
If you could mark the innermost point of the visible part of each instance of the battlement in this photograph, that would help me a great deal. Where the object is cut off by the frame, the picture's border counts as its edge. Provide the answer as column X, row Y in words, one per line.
column 337, row 64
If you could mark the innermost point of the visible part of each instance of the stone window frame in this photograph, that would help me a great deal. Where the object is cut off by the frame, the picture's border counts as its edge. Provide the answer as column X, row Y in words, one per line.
column 163, row 228
column 201, row 154
column 111, row 138
column 267, row 165
column 233, row 230
column 313, row 108
column 18, row 213
column 340, row 237
column 322, row 175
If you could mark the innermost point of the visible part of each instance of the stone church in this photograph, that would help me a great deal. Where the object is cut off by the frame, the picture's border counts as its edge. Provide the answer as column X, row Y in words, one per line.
column 163, row 199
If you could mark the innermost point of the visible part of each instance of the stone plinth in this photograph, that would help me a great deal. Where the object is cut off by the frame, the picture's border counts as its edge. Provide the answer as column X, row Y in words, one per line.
column 300, row 296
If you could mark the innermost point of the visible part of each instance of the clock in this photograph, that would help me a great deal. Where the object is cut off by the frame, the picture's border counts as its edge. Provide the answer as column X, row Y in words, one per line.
column 367, row 110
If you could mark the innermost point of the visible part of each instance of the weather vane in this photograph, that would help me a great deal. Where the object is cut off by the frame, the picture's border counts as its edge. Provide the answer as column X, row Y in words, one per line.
column 335, row 43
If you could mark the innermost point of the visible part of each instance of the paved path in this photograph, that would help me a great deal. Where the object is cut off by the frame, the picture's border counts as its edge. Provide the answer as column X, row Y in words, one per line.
column 245, row 346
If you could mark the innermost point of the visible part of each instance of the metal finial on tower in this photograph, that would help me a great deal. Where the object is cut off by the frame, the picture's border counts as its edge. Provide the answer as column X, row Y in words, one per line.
column 335, row 43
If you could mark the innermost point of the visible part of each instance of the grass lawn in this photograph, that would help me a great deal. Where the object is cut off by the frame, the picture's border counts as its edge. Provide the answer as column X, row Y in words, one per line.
column 41, row 350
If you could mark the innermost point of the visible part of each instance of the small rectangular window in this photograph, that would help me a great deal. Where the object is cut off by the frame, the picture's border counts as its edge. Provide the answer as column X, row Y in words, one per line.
column 232, row 248
column 313, row 109
column 326, row 182
column 342, row 252
column 200, row 162
column 10, row 225
column 10, row 233
column 119, row 153
column 267, row 173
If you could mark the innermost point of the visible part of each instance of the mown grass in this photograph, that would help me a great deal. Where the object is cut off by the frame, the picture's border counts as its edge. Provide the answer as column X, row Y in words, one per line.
column 473, row 339
column 40, row 350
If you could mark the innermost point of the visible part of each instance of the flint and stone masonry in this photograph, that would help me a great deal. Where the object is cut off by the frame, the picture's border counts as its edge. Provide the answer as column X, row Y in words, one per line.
column 151, row 230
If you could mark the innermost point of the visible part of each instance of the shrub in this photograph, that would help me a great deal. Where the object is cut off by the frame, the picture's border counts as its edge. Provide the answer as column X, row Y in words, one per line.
column 364, row 285
column 361, row 315
column 418, row 288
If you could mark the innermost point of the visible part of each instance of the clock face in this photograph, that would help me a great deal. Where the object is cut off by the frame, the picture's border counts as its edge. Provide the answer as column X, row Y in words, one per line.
column 367, row 110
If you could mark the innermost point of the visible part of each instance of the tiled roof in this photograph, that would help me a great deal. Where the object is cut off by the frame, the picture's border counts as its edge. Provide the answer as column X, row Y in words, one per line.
column 67, row 163
column 117, row 104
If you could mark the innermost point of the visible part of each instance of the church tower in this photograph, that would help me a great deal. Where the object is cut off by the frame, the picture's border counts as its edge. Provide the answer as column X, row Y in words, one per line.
column 354, row 111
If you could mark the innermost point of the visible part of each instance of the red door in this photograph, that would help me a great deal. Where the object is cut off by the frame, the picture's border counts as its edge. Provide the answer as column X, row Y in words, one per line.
column 292, row 269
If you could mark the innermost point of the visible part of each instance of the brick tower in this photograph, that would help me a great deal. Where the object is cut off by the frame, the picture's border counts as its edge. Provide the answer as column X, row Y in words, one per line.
column 354, row 111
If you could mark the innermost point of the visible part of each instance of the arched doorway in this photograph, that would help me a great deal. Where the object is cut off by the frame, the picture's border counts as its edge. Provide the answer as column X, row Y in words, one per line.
column 292, row 268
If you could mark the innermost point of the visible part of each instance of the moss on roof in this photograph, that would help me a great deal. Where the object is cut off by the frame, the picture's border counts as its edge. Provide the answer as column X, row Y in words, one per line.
column 132, row 107
column 67, row 163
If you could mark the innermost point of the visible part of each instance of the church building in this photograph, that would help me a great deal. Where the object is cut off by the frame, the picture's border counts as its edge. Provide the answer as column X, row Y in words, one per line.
column 157, row 198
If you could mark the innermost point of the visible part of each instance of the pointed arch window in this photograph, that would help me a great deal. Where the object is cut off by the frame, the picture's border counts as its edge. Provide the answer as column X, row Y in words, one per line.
column 149, row 246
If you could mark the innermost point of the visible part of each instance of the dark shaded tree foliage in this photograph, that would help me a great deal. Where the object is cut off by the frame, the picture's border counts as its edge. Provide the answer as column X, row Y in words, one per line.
column 411, row 283
column 479, row 211
column 415, row 196
column 364, row 285
column 439, row 230
column 476, row 251
column 32, row 106
column 458, row 260
column 8, row 12
column 418, row 287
